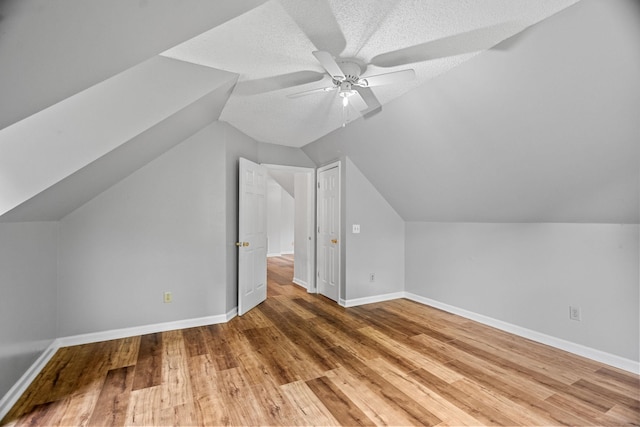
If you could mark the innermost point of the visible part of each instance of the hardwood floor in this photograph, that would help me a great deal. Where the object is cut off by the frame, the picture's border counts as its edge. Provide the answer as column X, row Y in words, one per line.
column 300, row 359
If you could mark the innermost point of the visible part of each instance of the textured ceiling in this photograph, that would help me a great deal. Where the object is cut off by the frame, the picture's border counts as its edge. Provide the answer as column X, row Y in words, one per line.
column 271, row 47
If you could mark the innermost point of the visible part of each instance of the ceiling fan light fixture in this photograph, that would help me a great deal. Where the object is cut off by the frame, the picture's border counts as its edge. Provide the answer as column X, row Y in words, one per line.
column 345, row 94
column 345, row 75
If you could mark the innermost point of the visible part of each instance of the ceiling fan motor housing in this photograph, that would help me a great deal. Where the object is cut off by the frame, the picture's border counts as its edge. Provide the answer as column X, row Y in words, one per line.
column 345, row 89
column 351, row 70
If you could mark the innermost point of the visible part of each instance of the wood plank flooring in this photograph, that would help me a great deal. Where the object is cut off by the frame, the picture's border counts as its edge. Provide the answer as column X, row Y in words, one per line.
column 300, row 359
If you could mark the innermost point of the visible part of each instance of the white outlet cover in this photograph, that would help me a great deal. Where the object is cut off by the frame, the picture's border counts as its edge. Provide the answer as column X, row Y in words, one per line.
column 574, row 313
column 356, row 228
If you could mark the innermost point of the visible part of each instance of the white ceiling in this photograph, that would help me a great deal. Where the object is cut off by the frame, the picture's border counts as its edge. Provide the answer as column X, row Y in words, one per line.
column 271, row 46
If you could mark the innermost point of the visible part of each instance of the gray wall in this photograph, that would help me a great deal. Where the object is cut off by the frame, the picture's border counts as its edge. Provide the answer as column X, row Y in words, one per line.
column 28, row 309
column 274, row 207
column 379, row 248
column 529, row 274
column 280, row 219
column 273, row 154
column 304, row 221
column 160, row 229
column 287, row 223
column 169, row 226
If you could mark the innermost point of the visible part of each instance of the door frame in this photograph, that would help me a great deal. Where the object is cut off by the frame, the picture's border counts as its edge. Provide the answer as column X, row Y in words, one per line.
column 336, row 164
column 311, row 219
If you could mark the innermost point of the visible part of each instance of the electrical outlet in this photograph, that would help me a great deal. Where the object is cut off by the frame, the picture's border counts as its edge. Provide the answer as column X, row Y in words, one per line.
column 372, row 277
column 168, row 297
column 574, row 313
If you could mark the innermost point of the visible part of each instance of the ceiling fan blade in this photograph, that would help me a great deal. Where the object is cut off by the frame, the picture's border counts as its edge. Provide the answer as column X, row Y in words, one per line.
column 357, row 102
column 467, row 42
column 318, row 22
column 329, row 64
column 309, row 92
column 374, row 106
column 387, row 78
column 283, row 81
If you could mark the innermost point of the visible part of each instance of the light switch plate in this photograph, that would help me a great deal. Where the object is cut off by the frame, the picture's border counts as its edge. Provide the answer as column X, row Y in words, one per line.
column 356, row 228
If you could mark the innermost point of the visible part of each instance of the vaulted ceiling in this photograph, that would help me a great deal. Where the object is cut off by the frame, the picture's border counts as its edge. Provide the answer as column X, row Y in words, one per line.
column 538, row 127
column 271, row 46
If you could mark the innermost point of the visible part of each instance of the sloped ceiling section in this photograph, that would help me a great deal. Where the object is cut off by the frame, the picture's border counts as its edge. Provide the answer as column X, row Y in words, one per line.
column 546, row 132
column 86, row 100
column 271, row 47
column 51, row 50
column 78, row 188
column 46, row 148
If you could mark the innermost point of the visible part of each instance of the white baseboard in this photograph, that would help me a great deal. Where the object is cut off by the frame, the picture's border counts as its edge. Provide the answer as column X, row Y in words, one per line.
column 369, row 300
column 300, row 283
column 145, row 329
column 14, row 393
column 571, row 347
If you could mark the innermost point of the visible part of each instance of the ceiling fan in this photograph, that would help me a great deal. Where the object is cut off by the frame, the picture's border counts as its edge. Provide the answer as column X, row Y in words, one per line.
column 348, row 75
column 352, row 86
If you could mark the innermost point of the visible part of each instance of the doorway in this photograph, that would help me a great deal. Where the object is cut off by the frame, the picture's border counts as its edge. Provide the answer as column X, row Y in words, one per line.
column 317, row 250
column 291, row 220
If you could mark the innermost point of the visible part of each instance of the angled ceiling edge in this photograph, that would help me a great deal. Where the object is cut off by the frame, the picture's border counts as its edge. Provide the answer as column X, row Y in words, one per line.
column 47, row 147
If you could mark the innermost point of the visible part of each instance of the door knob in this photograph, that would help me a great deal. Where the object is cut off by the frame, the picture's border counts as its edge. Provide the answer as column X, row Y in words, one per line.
column 334, row 241
column 239, row 244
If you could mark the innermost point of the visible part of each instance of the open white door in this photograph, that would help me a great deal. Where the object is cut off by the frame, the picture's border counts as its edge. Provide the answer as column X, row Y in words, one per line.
column 252, row 236
column 328, row 252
